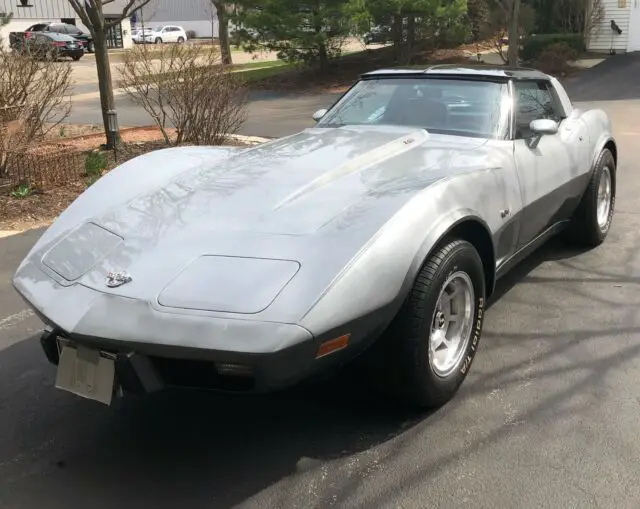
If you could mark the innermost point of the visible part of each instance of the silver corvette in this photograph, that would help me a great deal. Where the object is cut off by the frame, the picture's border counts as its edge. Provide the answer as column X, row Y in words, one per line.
column 378, row 234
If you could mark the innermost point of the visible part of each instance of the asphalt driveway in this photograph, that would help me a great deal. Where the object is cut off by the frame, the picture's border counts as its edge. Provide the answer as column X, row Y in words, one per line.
column 547, row 418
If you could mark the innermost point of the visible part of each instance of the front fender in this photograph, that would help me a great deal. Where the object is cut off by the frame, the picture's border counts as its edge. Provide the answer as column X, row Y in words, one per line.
column 380, row 276
column 435, row 236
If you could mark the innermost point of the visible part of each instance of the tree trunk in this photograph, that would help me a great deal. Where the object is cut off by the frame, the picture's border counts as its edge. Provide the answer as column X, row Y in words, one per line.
column 323, row 55
column 514, row 33
column 105, row 84
column 396, row 34
column 411, row 38
column 223, row 29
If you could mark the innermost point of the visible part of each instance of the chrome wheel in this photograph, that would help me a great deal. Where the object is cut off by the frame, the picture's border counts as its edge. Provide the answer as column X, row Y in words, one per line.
column 452, row 324
column 604, row 198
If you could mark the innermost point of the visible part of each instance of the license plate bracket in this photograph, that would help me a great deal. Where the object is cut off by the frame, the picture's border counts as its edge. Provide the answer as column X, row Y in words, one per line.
column 87, row 373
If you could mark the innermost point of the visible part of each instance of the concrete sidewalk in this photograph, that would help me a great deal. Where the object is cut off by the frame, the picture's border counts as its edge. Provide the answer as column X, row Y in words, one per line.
column 492, row 57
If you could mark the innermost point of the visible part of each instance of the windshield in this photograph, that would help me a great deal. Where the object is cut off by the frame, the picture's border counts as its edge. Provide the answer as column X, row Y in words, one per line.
column 461, row 107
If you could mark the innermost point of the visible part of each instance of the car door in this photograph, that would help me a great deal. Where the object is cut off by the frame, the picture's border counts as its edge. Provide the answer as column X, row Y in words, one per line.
column 546, row 165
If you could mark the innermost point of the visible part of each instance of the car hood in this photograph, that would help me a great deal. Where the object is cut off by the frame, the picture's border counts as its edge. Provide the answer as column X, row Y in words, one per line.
column 296, row 185
column 313, row 200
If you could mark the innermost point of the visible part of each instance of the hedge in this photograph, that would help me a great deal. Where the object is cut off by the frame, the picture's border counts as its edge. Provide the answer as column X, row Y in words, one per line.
column 533, row 45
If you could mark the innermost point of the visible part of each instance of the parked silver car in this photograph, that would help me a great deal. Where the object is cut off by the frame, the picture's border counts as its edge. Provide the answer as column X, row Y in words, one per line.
column 378, row 234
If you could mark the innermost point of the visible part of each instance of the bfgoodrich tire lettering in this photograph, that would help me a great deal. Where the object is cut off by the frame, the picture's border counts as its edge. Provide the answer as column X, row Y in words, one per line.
column 402, row 363
column 587, row 228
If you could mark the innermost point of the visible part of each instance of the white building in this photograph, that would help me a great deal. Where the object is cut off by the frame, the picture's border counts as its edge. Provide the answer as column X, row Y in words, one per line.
column 30, row 12
column 196, row 15
column 626, row 16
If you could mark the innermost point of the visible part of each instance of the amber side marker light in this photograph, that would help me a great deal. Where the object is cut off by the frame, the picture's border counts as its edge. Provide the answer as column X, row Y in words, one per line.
column 333, row 345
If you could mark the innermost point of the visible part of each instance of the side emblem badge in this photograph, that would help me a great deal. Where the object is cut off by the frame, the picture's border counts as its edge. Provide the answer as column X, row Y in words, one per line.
column 115, row 279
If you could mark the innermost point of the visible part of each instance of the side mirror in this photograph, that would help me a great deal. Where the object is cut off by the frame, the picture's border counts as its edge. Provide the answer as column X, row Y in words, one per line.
column 542, row 126
column 319, row 114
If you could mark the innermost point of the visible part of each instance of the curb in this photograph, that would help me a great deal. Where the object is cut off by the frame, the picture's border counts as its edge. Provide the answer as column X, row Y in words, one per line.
column 256, row 140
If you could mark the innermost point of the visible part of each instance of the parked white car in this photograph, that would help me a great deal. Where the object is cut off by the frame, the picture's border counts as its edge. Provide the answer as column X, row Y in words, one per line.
column 168, row 33
column 138, row 34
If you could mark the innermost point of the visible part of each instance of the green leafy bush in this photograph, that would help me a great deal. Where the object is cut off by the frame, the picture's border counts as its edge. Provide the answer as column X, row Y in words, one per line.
column 534, row 45
column 22, row 191
column 95, row 164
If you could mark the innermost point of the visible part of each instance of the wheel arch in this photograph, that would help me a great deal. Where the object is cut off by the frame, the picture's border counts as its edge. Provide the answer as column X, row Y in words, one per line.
column 466, row 226
column 610, row 144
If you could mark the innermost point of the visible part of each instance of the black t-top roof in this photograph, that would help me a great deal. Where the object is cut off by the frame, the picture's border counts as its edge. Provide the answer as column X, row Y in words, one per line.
column 470, row 70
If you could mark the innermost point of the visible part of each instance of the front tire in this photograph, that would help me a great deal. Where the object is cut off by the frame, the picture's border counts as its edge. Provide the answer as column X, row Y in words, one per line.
column 427, row 352
column 158, row 40
column 592, row 220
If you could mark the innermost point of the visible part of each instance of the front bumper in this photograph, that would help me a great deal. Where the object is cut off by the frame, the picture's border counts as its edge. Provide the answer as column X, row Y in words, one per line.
column 145, row 368
column 72, row 53
column 154, row 349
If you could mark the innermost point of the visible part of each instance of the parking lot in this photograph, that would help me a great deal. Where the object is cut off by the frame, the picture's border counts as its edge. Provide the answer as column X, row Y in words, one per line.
column 547, row 418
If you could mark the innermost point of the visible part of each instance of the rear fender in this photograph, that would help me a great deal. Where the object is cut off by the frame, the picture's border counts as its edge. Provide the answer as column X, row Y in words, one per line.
column 600, row 132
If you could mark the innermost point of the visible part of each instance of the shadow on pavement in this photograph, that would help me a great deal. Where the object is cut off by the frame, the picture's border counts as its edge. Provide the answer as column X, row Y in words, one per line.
column 554, row 249
column 209, row 450
column 615, row 79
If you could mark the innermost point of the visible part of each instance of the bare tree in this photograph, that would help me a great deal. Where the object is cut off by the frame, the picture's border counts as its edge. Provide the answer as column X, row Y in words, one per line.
column 186, row 88
column 593, row 14
column 511, row 20
column 34, row 98
column 511, row 11
column 92, row 15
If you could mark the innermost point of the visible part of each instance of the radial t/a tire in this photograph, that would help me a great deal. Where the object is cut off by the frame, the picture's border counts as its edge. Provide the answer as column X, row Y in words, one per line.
column 593, row 217
column 406, row 362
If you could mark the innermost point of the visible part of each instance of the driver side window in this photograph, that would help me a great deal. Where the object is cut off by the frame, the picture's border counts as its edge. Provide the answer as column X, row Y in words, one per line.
column 534, row 100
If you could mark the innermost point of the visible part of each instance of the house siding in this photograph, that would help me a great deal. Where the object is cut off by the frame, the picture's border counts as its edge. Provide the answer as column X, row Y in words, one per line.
column 602, row 36
column 45, row 10
column 197, row 15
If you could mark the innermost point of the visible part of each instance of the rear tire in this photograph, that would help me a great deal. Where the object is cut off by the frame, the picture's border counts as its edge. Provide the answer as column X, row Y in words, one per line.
column 76, row 58
column 180, row 40
column 592, row 220
column 425, row 354
column 90, row 47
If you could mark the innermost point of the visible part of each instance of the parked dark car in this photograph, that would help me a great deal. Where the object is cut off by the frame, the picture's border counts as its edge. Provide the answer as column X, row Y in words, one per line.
column 51, row 46
column 378, row 35
column 16, row 39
